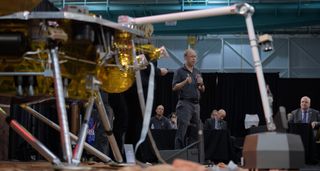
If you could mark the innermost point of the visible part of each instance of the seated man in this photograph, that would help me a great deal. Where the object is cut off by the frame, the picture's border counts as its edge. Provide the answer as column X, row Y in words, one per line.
column 305, row 114
column 210, row 122
column 216, row 122
column 173, row 121
column 159, row 121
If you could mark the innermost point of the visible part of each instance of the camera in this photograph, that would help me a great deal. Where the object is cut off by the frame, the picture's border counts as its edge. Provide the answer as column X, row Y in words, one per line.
column 265, row 41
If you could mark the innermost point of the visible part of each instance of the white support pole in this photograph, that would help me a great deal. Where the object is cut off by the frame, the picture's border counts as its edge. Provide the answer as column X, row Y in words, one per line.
column 259, row 72
column 187, row 15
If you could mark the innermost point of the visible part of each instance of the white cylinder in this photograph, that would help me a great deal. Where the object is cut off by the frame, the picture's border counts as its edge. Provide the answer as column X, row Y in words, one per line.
column 186, row 15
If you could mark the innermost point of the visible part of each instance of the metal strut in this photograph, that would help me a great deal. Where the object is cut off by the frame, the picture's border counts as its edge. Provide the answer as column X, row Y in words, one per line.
column 34, row 142
column 61, row 107
column 53, row 125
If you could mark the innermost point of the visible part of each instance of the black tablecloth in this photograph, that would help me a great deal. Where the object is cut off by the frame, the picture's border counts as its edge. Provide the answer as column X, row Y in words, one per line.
column 218, row 146
column 164, row 138
column 18, row 148
column 307, row 136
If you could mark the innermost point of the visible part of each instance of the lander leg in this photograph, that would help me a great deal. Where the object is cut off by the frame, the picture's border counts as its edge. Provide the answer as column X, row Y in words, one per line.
column 77, row 153
column 61, row 107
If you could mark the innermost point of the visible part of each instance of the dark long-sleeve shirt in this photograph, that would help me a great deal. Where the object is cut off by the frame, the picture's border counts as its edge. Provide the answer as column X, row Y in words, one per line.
column 162, row 123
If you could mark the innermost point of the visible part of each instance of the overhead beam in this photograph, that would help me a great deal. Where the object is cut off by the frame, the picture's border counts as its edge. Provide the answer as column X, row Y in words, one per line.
column 233, row 24
column 267, row 17
column 101, row 6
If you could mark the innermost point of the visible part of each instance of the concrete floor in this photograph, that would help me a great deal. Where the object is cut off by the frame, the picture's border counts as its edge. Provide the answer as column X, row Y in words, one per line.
column 46, row 166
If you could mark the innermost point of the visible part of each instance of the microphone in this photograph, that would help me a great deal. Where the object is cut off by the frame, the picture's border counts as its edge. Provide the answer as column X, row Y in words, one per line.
column 199, row 80
column 270, row 96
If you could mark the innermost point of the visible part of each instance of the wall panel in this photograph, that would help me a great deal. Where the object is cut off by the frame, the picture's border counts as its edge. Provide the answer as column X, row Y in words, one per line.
column 294, row 56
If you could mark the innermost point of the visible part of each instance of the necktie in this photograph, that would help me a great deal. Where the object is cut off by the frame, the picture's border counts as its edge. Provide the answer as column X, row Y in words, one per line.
column 304, row 119
column 216, row 124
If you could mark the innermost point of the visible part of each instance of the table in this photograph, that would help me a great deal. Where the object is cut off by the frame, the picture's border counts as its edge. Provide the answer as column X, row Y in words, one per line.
column 164, row 138
column 308, row 139
column 218, row 146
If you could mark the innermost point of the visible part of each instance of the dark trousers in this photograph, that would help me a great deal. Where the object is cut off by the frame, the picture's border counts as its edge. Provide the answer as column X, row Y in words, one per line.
column 188, row 115
column 119, row 105
column 128, row 117
column 101, row 139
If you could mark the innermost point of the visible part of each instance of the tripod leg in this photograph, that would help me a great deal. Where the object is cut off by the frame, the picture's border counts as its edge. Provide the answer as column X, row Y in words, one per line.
column 35, row 143
column 106, row 123
column 53, row 125
column 201, row 143
column 77, row 153
column 61, row 107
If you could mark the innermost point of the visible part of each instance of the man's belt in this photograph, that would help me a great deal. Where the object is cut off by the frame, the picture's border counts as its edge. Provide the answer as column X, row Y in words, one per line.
column 192, row 100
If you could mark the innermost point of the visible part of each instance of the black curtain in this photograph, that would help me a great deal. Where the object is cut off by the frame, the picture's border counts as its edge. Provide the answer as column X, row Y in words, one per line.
column 19, row 149
column 164, row 94
column 237, row 93
column 291, row 90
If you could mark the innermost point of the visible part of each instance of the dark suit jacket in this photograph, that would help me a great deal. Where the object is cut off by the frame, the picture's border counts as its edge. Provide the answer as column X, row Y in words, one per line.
column 210, row 124
column 297, row 116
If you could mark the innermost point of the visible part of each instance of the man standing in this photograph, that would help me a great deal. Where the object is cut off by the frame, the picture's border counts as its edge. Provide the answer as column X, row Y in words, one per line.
column 188, row 82
column 305, row 114
column 159, row 121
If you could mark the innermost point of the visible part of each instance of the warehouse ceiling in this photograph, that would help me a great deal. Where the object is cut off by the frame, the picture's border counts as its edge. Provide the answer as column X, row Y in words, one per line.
column 270, row 15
